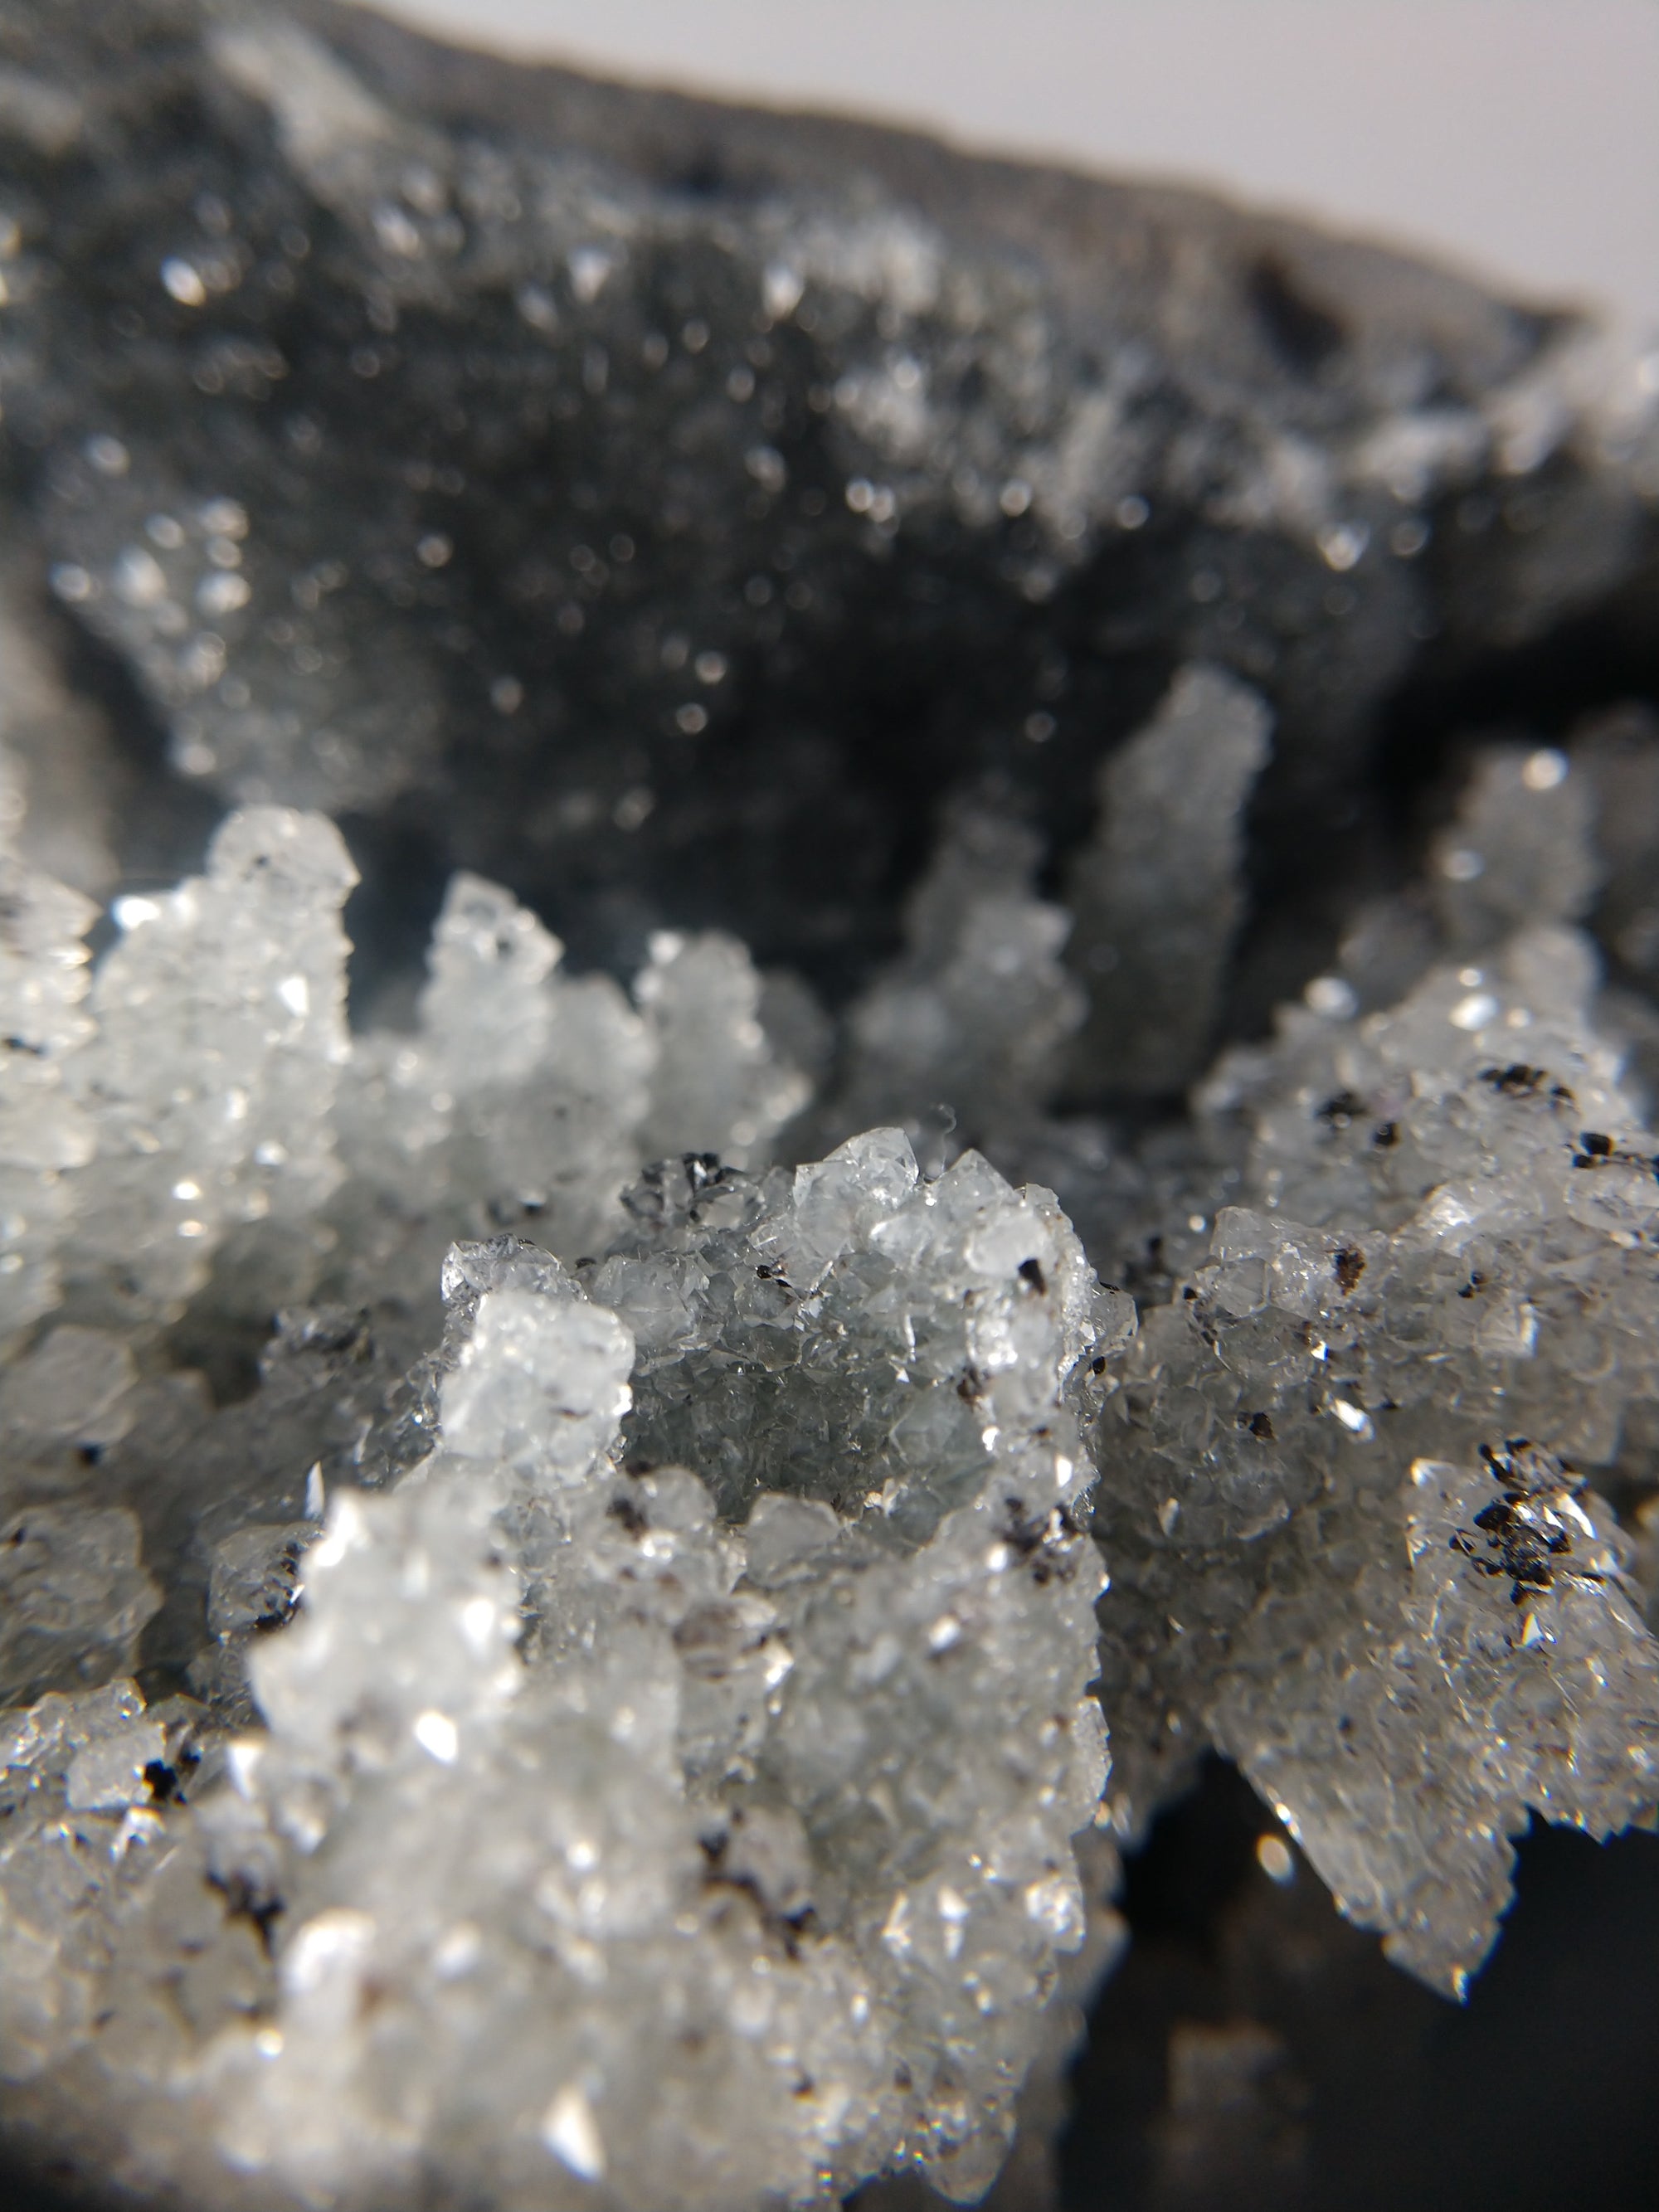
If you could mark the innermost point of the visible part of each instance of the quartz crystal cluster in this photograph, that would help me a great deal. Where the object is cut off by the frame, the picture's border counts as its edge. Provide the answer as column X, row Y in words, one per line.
column 621, row 1727
column 792, row 1086
column 653, row 1740
column 1353, row 1537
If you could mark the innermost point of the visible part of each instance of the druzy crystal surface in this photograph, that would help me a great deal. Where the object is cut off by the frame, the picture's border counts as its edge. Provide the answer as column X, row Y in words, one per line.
column 621, row 1727
column 829, row 1019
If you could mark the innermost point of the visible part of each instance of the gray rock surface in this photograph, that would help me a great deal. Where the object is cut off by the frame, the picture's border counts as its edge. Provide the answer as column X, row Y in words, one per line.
column 660, row 508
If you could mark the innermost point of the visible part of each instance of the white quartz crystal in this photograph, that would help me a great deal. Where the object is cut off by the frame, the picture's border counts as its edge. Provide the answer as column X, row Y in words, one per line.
column 1519, row 852
column 1436, row 1271
column 532, row 1096
column 43, row 983
column 651, row 1827
column 966, row 1031
column 653, row 1622
column 220, row 1033
column 1158, row 893
column 718, row 1084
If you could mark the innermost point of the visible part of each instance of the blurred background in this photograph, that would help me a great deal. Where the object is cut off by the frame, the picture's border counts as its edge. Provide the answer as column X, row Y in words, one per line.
column 1515, row 136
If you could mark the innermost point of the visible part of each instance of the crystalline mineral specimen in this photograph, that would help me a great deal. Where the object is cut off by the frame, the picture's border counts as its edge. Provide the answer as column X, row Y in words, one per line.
column 725, row 1848
column 1169, row 843
column 219, row 1028
column 678, row 1329
column 1351, row 1541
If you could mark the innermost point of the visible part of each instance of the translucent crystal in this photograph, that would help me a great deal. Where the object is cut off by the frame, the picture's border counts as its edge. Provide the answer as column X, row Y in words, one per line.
column 540, row 1386
column 43, row 1134
column 648, row 1685
column 718, row 1084
column 220, row 1035
column 966, row 1032
column 255, row 1580
column 73, row 1596
column 1157, row 891
column 1519, row 853
column 680, row 1772
column 554, row 1549
column 530, row 1097
column 561, row 1758
column 1433, row 1303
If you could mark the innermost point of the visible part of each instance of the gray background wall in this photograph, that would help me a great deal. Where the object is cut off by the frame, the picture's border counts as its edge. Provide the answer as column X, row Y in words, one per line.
column 1521, row 135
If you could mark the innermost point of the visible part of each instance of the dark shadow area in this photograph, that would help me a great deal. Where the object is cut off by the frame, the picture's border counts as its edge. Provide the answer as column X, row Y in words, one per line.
column 1543, row 688
column 1359, row 2089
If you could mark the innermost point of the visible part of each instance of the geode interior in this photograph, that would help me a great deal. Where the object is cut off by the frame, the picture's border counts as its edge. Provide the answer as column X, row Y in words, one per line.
column 603, row 1535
